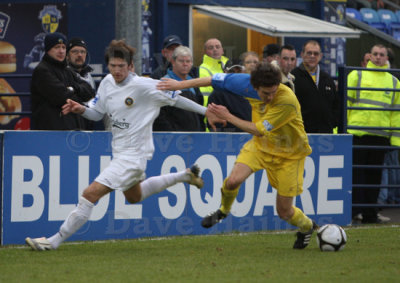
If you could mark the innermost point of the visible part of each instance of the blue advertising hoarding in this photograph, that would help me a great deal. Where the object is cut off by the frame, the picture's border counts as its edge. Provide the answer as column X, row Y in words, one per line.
column 44, row 173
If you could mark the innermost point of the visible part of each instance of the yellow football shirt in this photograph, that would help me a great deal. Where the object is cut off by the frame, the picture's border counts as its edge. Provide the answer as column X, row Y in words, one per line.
column 281, row 125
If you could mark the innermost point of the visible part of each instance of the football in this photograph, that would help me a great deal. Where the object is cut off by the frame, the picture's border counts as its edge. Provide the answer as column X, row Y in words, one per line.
column 331, row 237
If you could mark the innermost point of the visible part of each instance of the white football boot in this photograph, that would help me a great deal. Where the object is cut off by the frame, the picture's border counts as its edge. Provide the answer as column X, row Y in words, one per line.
column 39, row 244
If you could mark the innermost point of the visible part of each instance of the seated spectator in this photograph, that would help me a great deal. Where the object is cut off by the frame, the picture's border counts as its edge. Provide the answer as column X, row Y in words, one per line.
column 172, row 119
column 236, row 104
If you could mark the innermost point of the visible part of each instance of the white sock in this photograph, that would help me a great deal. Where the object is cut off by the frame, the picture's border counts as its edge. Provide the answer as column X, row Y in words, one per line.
column 157, row 184
column 75, row 220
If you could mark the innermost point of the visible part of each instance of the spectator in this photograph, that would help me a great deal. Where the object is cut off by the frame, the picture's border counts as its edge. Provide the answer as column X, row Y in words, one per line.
column 169, row 44
column 372, row 137
column 170, row 118
column 316, row 92
column 77, row 54
column 236, row 104
column 249, row 60
column 213, row 62
column 76, row 57
column 52, row 84
column 271, row 52
column 287, row 62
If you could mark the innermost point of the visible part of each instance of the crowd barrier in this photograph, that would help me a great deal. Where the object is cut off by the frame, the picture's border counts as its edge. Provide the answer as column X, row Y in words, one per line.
column 44, row 173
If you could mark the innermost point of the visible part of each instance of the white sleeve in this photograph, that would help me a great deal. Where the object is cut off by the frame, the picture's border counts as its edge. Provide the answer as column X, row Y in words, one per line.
column 92, row 114
column 189, row 105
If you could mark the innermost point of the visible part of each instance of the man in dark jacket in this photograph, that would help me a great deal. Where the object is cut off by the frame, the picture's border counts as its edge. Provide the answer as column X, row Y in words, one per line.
column 77, row 54
column 316, row 92
column 53, row 82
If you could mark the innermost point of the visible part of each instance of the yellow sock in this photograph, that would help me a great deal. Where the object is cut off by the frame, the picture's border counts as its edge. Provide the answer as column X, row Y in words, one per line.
column 228, row 197
column 300, row 220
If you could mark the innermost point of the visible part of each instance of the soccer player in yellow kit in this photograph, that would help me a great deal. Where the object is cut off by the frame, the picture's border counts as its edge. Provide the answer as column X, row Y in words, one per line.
column 279, row 144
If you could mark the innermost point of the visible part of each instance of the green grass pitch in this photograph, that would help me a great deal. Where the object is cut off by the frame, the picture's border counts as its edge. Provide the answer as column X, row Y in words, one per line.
column 372, row 254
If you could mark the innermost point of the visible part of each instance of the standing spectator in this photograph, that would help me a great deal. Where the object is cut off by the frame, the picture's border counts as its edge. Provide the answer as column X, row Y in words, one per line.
column 271, row 52
column 169, row 44
column 316, row 92
column 77, row 53
column 170, row 118
column 236, row 104
column 76, row 57
column 53, row 82
column 287, row 62
column 372, row 137
column 213, row 62
column 136, row 103
column 249, row 60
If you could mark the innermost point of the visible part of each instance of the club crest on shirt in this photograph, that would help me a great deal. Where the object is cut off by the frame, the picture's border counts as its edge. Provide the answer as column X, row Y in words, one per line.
column 267, row 125
column 129, row 101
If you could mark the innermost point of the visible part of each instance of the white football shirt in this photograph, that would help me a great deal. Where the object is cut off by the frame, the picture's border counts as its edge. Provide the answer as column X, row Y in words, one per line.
column 132, row 106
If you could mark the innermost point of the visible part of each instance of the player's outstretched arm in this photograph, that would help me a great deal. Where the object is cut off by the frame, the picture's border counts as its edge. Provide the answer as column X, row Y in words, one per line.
column 223, row 113
column 170, row 84
column 72, row 106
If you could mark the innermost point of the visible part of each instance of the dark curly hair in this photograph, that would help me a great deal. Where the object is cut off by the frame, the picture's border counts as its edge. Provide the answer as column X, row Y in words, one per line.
column 120, row 49
column 265, row 75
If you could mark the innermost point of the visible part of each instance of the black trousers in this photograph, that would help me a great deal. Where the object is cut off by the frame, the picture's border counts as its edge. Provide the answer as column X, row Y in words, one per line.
column 367, row 176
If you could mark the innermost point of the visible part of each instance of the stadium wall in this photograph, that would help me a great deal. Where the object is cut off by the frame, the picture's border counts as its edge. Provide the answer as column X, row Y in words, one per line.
column 44, row 173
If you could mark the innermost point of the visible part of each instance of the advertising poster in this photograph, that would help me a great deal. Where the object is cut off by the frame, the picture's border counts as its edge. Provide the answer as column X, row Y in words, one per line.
column 23, row 28
column 44, row 173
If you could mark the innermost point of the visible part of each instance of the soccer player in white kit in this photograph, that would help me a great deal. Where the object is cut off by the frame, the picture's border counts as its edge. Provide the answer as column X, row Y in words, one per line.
column 132, row 103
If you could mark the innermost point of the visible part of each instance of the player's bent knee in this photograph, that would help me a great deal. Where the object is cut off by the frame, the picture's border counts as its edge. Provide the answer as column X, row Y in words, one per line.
column 133, row 199
column 284, row 214
column 232, row 183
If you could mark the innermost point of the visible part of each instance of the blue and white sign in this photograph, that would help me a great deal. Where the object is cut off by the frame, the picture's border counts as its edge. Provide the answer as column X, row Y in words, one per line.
column 44, row 173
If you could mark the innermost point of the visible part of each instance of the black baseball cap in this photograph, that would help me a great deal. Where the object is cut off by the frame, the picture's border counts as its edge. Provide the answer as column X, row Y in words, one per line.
column 171, row 40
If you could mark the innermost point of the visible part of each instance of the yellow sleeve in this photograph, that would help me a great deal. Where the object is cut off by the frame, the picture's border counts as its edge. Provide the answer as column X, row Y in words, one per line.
column 352, row 81
column 276, row 117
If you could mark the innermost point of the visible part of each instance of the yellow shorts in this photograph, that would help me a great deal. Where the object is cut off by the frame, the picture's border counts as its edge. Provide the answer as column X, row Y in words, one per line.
column 285, row 175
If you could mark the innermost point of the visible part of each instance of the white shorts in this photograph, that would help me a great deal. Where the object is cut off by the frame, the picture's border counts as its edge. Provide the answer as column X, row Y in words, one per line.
column 123, row 174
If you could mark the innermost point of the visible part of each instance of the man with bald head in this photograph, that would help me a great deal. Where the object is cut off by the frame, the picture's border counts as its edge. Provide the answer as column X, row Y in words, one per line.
column 213, row 62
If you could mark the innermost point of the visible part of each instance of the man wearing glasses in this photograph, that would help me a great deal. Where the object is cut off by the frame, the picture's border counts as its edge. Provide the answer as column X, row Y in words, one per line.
column 316, row 92
column 76, row 57
column 374, row 133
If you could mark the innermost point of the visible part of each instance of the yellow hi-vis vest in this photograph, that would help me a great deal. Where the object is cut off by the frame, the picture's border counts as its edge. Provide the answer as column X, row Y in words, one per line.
column 209, row 67
column 374, row 99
